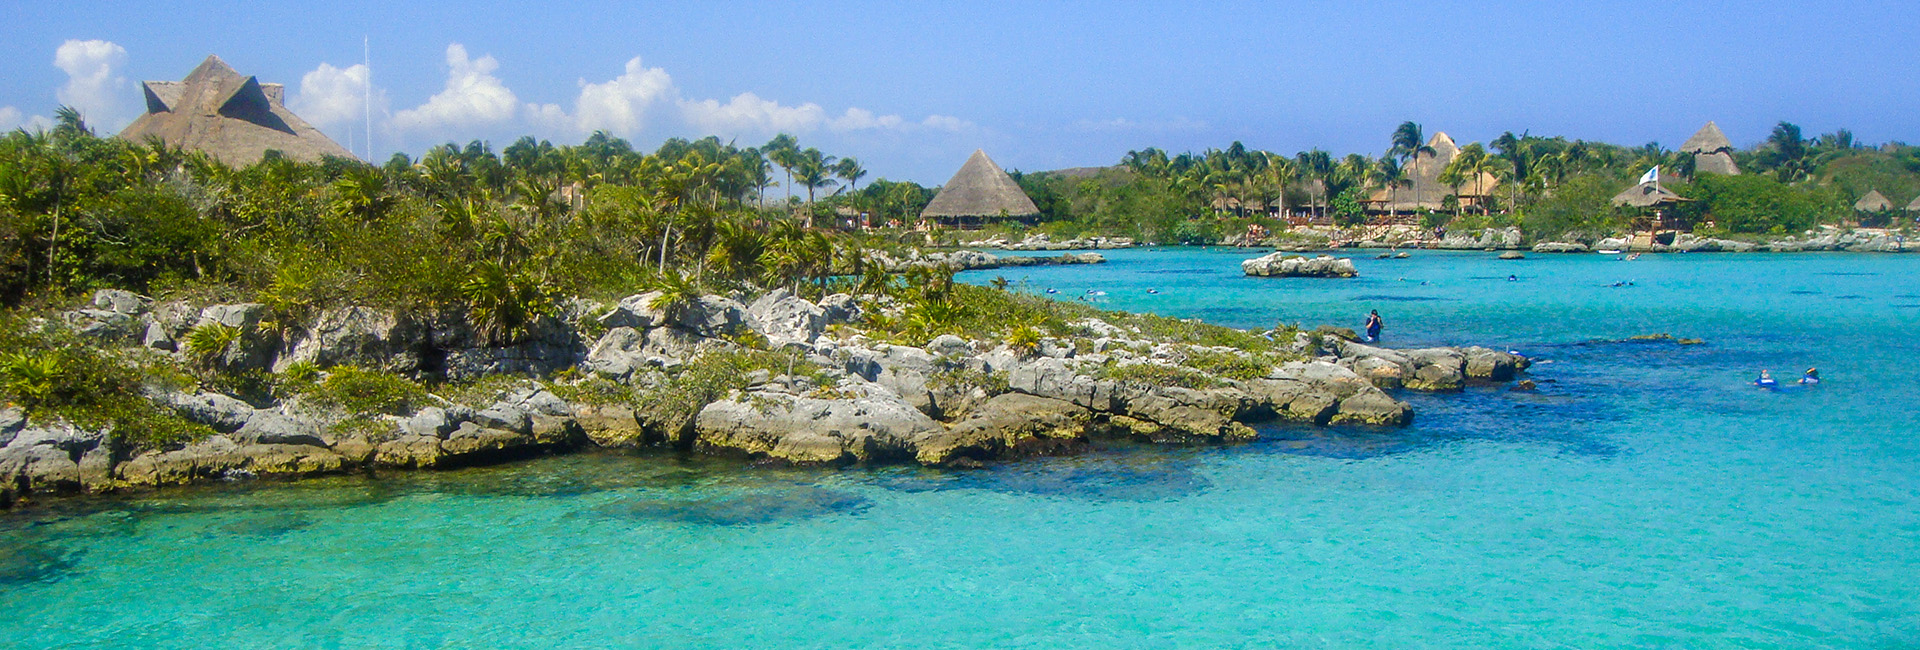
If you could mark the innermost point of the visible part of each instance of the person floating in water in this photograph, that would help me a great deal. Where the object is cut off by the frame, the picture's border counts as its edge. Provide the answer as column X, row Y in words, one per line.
column 1812, row 377
column 1513, row 278
column 1373, row 326
column 1765, row 380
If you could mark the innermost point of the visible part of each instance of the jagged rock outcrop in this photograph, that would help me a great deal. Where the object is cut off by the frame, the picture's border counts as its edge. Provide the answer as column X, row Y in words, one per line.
column 1285, row 265
column 1008, row 426
column 870, row 425
column 864, row 400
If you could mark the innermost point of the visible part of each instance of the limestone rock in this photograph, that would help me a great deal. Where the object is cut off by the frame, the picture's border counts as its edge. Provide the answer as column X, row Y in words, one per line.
column 948, row 344
column 54, row 458
column 709, row 316
column 785, row 318
column 268, row 427
column 359, row 336
column 225, row 414
column 609, row 425
column 1373, row 407
column 635, row 312
column 812, row 431
column 1286, row 265
column 1009, row 426
column 221, row 457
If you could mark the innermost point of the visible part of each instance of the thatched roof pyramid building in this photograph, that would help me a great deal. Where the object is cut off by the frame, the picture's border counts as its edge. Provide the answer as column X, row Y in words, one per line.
column 1874, row 201
column 1915, row 205
column 1423, row 188
column 235, row 119
column 1712, row 152
column 980, row 190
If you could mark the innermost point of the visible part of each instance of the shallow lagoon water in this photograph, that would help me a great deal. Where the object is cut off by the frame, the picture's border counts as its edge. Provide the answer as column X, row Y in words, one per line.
column 1645, row 496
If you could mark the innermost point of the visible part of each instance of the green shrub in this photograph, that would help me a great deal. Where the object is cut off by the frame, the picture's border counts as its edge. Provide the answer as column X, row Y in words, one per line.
column 56, row 378
column 1151, row 374
column 1230, row 365
column 207, row 343
column 360, row 391
column 670, row 408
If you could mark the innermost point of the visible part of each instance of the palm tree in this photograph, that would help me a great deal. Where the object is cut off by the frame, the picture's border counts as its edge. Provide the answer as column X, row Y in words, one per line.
column 783, row 150
column 1316, row 165
column 1389, row 174
column 850, row 170
column 813, row 170
column 1409, row 142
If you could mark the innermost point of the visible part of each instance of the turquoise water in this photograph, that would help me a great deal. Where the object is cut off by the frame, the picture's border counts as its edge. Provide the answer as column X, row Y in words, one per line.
column 1644, row 497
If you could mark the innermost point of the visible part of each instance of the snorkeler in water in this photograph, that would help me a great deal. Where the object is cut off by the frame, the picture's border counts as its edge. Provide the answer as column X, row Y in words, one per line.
column 1812, row 377
column 1765, row 380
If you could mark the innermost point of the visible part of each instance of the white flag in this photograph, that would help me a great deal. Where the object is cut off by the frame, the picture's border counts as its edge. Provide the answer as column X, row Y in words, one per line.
column 1651, row 175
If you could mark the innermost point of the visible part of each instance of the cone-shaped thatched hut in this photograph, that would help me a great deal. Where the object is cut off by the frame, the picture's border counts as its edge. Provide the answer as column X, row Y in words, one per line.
column 979, row 191
column 1647, row 195
column 1712, row 152
column 1422, row 188
column 1915, row 205
column 1874, row 201
column 235, row 119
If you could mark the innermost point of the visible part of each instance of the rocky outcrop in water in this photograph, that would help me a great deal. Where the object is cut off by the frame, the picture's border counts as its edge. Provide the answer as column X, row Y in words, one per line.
column 1041, row 242
column 969, row 260
column 952, row 402
column 1284, row 265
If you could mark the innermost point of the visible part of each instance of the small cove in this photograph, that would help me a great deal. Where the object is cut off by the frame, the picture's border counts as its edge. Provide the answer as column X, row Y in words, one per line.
column 1645, row 495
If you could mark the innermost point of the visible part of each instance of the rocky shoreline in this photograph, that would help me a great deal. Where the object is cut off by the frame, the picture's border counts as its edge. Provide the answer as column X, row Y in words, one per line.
column 1513, row 239
column 954, row 402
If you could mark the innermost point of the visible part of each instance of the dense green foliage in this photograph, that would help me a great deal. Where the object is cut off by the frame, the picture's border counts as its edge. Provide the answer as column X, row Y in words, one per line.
column 498, row 234
column 359, row 390
column 1550, row 186
column 53, row 376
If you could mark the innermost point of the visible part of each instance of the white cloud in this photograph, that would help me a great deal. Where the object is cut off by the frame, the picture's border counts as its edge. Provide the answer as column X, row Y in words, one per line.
column 620, row 106
column 473, row 97
column 946, row 123
column 642, row 98
column 94, row 85
column 859, row 119
column 747, row 113
column 1120, row 124
column 332, row 96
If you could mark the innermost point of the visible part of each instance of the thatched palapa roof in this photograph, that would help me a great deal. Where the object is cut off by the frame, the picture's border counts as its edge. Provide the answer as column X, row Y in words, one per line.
column 980, row 189
column 1646, row 195
column 1707, row 140
column 1423, row 188
column 1915, row 205
column 1874, row 201
column 235, row 119
column 1712, row 151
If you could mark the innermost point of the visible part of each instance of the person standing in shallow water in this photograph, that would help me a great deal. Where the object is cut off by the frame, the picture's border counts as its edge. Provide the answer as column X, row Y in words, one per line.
column 1373, row 326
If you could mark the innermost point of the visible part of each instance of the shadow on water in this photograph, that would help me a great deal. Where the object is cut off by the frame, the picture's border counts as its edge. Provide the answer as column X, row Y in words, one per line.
column 26, row 561
column 758, row 506
column 1120, row 472
column 1400, row 299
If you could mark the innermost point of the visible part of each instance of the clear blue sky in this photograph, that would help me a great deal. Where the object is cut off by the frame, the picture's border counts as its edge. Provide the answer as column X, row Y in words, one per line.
column 1039, row 85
